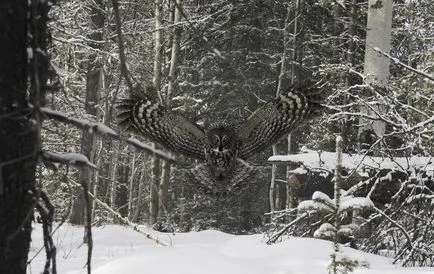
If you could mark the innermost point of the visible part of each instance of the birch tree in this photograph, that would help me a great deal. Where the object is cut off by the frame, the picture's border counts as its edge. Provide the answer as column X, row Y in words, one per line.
column 376, row 65
column 156, row 82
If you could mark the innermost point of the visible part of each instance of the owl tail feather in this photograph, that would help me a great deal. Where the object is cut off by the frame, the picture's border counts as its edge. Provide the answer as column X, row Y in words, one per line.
column 125, row 107
column 202, row 179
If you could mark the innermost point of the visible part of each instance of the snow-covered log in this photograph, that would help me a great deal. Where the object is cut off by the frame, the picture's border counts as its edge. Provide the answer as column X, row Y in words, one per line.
column 379, row 178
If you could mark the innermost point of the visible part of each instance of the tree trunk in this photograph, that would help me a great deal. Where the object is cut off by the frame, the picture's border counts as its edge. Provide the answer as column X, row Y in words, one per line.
column 121, row 200
column 156, row 81
column 140, row 197
column 272, row 191
column 153, row 188
column 94, row 85
column 165, row 167
column 131, row 186
column 295, row 48
column 376, row 66
column 20, row 127
column 282, row 74
column 352, row 79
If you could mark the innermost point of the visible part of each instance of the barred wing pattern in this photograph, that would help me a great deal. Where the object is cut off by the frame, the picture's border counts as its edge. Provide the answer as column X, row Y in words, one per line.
column 154, row 121
column 277, row 118
column 223, row 147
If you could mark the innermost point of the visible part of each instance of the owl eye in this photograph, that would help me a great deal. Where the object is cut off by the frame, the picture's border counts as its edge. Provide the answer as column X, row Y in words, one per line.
column 224, row 138
column 216, row 139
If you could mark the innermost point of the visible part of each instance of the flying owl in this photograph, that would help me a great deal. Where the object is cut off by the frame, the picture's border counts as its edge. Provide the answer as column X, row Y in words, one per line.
column 222, row 147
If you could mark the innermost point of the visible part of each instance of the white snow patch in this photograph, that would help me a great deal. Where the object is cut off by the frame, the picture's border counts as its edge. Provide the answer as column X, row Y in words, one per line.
column 29, row 53
column 299, row 170
column 351, row 203
column 313, row 206
column 118, row 249
column 318, row 195
column 325, row 231
column 313, row 159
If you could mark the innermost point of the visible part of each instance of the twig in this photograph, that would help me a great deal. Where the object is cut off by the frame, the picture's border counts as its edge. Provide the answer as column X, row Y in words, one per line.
column 124, row 219
column 397, row 225
column 396, row 61
column 64, row 217
column 88, row 225
column 46, row 209
column 124, row 69
column 276, row 236
column 203, row 38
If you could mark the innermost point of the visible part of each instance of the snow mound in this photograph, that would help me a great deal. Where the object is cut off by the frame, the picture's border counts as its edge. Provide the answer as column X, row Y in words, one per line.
column 118, row 249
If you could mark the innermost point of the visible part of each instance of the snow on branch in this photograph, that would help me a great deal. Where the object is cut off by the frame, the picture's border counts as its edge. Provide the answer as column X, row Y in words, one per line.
column 390, row 101
column 67, row 158
column 104, row 130
column 396, row 61
column 327, row 160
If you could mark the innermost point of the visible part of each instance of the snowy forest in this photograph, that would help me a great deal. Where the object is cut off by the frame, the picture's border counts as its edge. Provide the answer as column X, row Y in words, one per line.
column 356, row 180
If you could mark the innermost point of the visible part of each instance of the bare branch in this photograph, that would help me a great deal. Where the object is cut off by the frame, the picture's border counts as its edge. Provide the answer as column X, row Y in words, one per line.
column 103, row 130
column 125, row 220
column 124, row 69
column 276, row 236
column 67, row 158
column 46, row 210
column 396, row 61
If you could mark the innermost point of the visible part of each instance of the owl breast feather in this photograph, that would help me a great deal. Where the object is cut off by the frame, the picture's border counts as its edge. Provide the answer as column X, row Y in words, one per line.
column 221, row 163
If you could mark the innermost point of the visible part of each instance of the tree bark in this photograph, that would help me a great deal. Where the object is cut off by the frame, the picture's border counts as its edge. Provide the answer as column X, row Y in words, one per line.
column 19, row 124
column 376, row 65
column 131, row 186
column 94, row 85
column 165, row 167
column 153, row 188
column 156, row 81
column 295, row 56
column 140, row 193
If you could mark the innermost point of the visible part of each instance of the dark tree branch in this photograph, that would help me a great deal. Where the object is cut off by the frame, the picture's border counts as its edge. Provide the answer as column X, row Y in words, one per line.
column 67, row 158
column 396, row 61
column 88, row 225
column 46, row 210
column 123, row 219
column 124, row 70
column 62, row 221
column 103, row 130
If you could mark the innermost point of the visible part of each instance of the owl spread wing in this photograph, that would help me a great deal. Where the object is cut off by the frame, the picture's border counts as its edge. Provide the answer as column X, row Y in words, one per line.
column 277, row 118
column 156, row 122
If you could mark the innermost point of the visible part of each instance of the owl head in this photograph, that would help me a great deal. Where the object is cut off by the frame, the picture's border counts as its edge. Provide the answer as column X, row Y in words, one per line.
column 222, row 136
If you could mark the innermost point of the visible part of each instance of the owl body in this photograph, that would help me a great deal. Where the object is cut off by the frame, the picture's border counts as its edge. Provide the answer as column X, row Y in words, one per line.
column 222, row 147
column 221, row 150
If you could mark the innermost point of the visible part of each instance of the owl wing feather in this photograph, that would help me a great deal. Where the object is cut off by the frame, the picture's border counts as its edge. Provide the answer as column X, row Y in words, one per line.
column 278, row 118
column 173, row 131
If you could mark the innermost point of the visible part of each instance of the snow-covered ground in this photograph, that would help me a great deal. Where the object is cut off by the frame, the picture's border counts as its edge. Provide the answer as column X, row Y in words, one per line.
column 119, row 249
